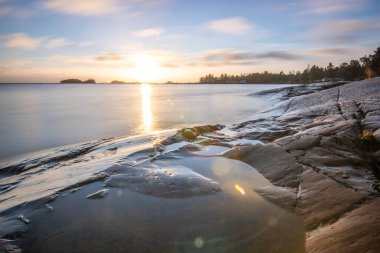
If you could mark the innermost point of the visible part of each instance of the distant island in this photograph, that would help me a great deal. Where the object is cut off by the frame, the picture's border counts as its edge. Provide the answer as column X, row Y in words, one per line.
column 123, row 82
column 78, row 81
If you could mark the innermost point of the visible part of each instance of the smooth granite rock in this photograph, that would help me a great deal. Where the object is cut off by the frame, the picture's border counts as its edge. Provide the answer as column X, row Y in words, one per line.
column 357, row 231
column 321, row 199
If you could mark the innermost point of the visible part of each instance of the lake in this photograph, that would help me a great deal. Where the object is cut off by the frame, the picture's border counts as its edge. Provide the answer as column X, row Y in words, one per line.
column 41, row 116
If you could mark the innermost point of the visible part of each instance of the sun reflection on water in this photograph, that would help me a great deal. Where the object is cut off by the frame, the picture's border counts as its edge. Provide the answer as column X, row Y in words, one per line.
column 146, row 107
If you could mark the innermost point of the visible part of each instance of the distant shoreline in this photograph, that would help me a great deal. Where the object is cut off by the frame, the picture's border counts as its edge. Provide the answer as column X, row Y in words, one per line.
column 110, row 84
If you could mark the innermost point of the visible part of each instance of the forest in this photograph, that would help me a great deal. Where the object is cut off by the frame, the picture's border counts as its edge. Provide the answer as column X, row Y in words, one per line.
column 363, row 68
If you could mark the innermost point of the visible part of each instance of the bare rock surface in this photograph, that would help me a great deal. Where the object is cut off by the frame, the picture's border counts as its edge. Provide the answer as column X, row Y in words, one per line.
column 320, row 199
column 358, row 231
column 284, row 197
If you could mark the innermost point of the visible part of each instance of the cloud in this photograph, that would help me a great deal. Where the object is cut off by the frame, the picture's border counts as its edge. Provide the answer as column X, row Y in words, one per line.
column 109, row 57
column 223, row 57
column 332, row 6
column 18, row 12
column 100, row 7
column 150, row 32
column 87, row 43
column 59, row 42
column 235, row 26
column 343, row 31
column 279, row 55
column 83, row 7
column 22, row 40
column 235, row 57
column 328, row 52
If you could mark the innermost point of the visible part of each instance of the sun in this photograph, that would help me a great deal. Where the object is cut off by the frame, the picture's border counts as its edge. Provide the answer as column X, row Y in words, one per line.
column 146, row 68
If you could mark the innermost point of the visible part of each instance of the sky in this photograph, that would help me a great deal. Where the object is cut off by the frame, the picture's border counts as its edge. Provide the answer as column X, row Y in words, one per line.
column 179, row 40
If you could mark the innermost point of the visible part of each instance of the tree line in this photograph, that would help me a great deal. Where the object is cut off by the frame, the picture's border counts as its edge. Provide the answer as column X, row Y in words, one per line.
column 365, row 67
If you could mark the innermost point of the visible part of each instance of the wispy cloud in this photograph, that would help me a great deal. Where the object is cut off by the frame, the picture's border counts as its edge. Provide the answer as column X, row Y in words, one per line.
column 87, row 43
column 22, row 40
column 225, row 57
column 109, row 57
column 332, row 6
column 328, row 52
column 221, row 57
column 235, row 26
column 83, row 7
column 342, row 31
column 100, row 7
column 27, row 42
column 59, row 42
column 6, row 9
column 149, row 32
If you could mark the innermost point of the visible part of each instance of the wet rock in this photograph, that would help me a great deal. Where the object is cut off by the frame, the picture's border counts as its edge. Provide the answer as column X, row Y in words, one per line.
column 357, row 231
column 376, row 135
column 284, row 197
column 7, row 246
column 167, row 182
column 321, row 199
column 98, row 195
column 75, row 189
column 23, row 219
column 192, row 133
column 190, row 147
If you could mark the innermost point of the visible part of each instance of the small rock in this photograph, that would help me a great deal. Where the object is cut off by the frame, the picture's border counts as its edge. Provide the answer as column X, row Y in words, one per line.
column 98, row 195
column 49, row 207
column 345, row 176
column 23, row 219
column 74, row 190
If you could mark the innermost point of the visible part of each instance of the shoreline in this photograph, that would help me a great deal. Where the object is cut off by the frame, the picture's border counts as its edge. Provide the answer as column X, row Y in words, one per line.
column 310, row 144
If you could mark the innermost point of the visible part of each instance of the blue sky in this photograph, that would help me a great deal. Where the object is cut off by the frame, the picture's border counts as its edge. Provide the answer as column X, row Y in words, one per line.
column 178, row 40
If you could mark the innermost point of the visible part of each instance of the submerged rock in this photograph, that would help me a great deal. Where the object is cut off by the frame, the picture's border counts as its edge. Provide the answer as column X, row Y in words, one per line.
column 167, row 182
column 98, row 195
column 280, row 167
column 23, row 219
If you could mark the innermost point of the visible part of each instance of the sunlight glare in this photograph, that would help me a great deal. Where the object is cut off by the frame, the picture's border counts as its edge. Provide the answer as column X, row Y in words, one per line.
column 146, row 107
column 240, row 189
column 146, row 69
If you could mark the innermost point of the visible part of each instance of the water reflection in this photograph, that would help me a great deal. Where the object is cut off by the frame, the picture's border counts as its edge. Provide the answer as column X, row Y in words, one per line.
column 240, row 189
column 146, row 107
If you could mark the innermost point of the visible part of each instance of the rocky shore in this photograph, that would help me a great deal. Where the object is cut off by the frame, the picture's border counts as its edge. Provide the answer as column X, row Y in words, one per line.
column 321, row 151
column 302, row 176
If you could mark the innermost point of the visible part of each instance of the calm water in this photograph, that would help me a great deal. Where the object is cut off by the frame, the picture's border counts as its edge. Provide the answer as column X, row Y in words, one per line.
column 40, row 116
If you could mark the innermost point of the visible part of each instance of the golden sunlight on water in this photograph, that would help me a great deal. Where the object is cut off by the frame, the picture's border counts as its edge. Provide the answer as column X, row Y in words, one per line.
column 240, row 189
column 146, row 107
